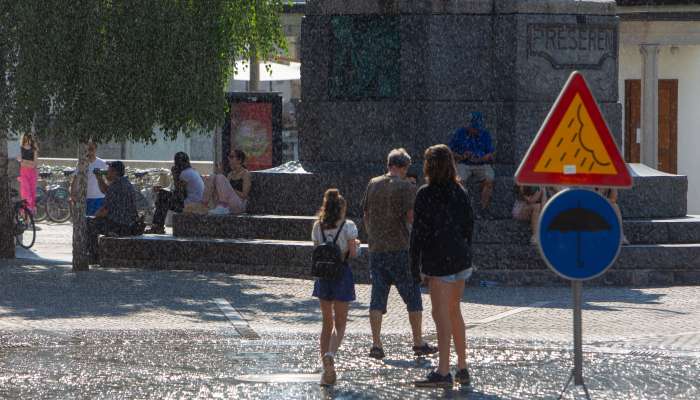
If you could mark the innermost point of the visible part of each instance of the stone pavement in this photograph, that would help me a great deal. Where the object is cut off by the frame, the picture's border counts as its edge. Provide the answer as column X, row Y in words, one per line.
column 183, row 334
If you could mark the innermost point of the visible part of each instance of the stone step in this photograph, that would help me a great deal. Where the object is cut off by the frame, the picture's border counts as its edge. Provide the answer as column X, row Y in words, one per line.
column 247, row 226
column 654, row 195
column 282, row 227
column 638, row 231
column 658, row 264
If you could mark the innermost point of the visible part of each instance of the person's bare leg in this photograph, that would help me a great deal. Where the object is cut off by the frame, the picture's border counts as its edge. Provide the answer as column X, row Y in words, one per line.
column 340, row 309
column 209, row 190
column 458, row 329
column 375, row 322
column 327, row 325
column 486, row 191
column 440, row 297
column 534, row 221
column 619, row 215
column 416, row 320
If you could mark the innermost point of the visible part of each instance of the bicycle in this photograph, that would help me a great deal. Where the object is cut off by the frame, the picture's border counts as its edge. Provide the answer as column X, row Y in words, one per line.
column 52, row 196
column 143, row 181
column 24, row 229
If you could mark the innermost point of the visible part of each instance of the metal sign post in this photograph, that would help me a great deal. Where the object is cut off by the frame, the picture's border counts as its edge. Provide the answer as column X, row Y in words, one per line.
column 580, row 233
column 579, row 238
column 576, row 287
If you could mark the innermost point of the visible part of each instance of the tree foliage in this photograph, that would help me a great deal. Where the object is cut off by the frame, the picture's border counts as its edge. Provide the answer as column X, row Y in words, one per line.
column 112, row 69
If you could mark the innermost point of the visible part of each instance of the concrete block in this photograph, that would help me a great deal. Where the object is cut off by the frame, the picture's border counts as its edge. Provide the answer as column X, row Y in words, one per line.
column 654, row 195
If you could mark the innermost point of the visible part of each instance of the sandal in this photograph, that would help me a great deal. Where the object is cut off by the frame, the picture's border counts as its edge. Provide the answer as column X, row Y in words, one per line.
column 424, row 350
column 328, row 377
column 376, row 352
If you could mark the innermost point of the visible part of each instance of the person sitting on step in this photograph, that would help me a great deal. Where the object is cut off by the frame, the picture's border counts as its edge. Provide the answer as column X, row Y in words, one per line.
column 528, row 204
column 611, row 194
column 188, row 189
column 118, row 214
column 474, row 153
column 229, row 194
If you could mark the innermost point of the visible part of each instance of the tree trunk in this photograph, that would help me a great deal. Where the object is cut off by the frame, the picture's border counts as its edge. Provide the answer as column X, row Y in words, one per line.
column 7, row 239
column 254, row 78
column 80, row 256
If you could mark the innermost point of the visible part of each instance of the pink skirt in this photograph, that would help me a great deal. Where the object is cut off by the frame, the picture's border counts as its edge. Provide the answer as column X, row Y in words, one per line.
column 27, row 186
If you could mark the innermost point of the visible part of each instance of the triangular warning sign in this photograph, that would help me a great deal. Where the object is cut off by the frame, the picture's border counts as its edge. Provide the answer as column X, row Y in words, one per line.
column 574, row 147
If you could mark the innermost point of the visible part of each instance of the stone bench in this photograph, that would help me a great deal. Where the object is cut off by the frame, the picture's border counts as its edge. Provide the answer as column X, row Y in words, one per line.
column 507, row 231
column 509, row 264
column 655, row 194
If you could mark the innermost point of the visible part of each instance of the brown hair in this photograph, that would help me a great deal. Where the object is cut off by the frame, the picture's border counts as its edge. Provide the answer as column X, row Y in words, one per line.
column 240, row 154
column 29, row 138
column 439, row 165
column 332, row 210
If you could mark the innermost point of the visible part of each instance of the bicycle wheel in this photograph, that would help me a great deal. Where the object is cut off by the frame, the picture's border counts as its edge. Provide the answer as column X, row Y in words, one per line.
column 58, row 205
column 40, row 213
column 25, row 230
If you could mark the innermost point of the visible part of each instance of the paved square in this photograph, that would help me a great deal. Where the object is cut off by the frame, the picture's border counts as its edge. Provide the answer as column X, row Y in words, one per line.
column 182, row 334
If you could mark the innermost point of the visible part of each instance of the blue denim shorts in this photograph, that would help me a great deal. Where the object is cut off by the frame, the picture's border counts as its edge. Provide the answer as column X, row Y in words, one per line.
column 93, row 205
column 392, row 268
column 341, row 290
column 462, row 275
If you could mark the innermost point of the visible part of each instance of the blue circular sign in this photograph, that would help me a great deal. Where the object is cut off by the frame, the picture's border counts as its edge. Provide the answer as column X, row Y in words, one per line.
column 579, row 234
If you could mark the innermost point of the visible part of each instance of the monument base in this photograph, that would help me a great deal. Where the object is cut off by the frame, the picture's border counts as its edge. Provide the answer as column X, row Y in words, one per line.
column 274, row 238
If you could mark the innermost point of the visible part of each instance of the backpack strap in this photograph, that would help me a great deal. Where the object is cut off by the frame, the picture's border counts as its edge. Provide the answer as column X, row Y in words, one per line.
column 323, row 235
column 340, row 229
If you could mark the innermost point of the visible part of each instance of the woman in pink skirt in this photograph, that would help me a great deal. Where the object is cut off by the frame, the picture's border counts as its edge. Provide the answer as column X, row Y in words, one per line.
column 28, row 170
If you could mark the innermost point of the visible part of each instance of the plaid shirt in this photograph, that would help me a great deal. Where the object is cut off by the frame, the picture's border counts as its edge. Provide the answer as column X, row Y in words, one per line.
column 120, row 201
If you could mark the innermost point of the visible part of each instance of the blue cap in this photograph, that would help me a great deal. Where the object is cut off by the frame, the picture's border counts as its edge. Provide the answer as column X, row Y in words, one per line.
column 477, row 120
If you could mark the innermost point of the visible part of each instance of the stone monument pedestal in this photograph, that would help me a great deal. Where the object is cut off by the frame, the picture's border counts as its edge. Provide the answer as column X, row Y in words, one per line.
column 381, row 74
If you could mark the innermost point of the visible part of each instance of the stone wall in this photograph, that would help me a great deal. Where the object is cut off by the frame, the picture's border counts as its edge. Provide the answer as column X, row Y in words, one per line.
column 506, row 59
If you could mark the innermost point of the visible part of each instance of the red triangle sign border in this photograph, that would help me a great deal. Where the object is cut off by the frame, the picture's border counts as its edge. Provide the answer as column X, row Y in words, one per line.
column 526, row 175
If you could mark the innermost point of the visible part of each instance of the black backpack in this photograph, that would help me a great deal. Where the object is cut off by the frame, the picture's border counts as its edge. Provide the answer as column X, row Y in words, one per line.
column 327, row 260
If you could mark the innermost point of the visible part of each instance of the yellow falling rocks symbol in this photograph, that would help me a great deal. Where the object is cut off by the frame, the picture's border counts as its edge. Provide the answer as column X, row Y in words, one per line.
column 576, row 147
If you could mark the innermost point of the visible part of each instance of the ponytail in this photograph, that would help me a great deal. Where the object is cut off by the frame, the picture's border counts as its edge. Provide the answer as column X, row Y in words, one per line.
column 333, row 209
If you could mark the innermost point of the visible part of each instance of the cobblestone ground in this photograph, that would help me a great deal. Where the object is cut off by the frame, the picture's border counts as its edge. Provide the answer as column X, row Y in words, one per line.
column 210, row 364
column 137, row 334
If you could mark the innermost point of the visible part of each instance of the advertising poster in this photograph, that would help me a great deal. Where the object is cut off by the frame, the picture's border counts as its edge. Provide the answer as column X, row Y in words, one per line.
column 251, row 131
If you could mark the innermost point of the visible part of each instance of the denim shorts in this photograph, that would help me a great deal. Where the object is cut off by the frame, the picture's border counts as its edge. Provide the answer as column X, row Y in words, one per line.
column 392, row 268
column 462, row 275
column 92, row 205
column 341, row 290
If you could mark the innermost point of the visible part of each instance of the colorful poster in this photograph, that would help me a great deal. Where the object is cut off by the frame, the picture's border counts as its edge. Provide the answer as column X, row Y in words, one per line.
column 251, row 131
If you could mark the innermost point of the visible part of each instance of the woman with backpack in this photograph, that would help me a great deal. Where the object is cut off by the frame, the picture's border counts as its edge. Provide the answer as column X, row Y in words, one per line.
column 332, row 233
column 441, row 254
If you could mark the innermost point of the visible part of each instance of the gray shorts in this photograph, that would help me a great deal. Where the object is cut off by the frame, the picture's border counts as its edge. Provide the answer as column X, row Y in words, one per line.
column 481, row 173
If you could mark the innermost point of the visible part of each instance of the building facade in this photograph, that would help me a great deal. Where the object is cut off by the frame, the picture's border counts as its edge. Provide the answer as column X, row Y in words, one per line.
column 659, row 87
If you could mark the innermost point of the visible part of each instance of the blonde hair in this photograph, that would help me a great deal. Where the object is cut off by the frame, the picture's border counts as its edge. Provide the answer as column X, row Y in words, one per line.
column 333, row 209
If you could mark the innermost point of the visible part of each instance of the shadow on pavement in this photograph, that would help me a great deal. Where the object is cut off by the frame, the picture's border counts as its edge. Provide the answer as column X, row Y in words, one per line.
column 50, row 291
column 560, row 297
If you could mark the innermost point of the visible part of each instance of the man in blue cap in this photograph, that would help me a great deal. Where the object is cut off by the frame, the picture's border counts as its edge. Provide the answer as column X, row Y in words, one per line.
column 474, row 153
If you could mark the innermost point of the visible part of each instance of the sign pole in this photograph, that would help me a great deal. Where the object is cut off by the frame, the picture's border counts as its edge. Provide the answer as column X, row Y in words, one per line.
column 578, row 335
